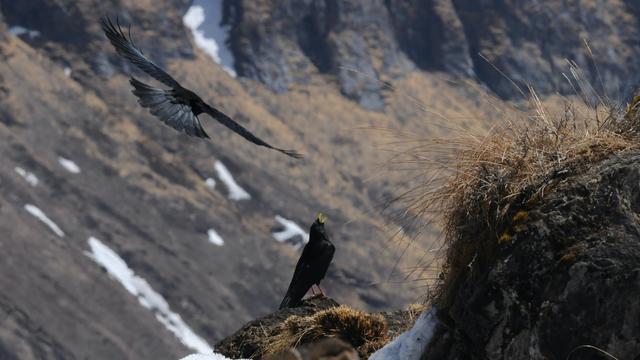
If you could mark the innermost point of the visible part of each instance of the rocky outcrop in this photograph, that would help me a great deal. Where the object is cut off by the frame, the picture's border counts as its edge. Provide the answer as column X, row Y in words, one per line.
column 352, row 40
column 566, row 276
column 531, row 44
column 246, row 342
column 304, row 328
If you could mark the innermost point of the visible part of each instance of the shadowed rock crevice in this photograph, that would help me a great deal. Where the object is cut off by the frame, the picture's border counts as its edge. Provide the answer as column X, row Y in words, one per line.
column 315, row 27
column 350, row 40
column 431, row 35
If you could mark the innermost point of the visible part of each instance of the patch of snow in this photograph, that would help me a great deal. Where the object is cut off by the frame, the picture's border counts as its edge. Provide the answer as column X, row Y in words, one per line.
column 40, row 215
column 18, row 30
column 147, row 297
column 214, row 238
column 210, row 35
column 236, row 192
column 411, row 344
column 69, row 165
column 213, row 356
column 292, row 233
column 67, row 71
column 211, row 183
column 27, row 175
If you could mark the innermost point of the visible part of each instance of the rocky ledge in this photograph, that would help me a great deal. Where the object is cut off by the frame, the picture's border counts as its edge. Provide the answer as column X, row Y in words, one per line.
column 319, row 327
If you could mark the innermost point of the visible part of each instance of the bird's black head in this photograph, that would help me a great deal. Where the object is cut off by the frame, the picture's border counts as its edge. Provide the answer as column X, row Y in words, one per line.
column 318, row 225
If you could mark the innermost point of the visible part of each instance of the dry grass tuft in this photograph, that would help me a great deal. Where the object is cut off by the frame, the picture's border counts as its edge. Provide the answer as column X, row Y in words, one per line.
column 479, row 186
column 365, row 332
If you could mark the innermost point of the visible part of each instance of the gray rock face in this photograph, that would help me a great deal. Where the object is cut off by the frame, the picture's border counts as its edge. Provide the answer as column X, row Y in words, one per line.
column 282, row 43
column 279, row 43
column 532, row 41
column 3, row 26
column 432, row 35
column 568, row 277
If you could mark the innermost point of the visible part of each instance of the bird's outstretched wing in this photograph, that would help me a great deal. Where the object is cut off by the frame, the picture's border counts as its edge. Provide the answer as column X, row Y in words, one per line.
column 177, row 107
column 225, row 120
column 169, row 109
column 126, row 48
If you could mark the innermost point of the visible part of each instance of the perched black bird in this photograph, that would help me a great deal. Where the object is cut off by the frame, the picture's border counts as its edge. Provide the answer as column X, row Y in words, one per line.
column 178, row 107
column 312, row 265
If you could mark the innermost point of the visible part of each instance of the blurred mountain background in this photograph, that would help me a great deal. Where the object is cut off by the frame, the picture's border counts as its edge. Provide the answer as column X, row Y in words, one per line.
column 122, row 239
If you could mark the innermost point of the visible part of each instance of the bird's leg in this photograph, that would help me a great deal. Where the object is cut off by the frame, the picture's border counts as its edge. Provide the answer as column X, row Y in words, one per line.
column 313, row 291
column 321, row 292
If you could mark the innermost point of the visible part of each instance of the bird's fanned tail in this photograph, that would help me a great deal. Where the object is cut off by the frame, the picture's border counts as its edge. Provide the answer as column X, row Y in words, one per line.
column 297, row 288
column 285, row 302
column 290, row 300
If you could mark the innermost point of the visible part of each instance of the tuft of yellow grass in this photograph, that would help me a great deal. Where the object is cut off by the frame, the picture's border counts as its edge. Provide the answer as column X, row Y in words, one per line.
column 478, row 186
column 519, row 217
column 504, row 238
column 365, row 332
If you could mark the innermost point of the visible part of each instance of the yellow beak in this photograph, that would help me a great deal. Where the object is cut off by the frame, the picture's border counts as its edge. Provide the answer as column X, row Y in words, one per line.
column 321, row 218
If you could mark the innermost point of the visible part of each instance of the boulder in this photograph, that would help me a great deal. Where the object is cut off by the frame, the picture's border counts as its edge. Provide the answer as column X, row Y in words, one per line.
column 563, row 282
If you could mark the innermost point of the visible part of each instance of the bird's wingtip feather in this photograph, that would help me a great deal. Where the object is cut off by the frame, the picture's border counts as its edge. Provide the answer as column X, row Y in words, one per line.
column 292, row 153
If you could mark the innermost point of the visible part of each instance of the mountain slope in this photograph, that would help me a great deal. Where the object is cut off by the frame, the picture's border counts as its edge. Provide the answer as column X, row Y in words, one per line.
column 107, row 169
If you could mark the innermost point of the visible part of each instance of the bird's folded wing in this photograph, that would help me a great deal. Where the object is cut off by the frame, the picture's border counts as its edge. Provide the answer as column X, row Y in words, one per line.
column 125, row 47
column 168, row 109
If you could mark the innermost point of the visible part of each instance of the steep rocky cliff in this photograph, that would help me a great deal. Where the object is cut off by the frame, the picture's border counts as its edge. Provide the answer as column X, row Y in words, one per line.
column 334, row 37
column 529, row 42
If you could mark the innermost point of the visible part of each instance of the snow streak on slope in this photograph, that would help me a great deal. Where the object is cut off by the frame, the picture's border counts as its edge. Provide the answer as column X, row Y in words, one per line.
column 27, row 175
column 40, row 215
column 149, row 298
column 211, row 183
column 411, row 344
column 209, row 35
column 69, row 165
column 18, row 30
column 292, row 233
column 235, row 191
column 214, row 238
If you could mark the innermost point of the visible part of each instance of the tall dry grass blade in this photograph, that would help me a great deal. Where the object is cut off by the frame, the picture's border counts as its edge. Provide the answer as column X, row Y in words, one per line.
column 524, row 96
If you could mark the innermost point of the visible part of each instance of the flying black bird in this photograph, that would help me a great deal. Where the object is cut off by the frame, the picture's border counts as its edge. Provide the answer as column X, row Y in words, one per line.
column 312, row 265
column 178, row 107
